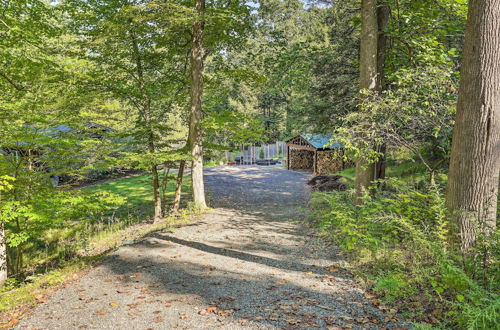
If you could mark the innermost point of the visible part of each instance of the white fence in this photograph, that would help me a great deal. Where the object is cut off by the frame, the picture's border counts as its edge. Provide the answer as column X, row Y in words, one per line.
column 249, row 154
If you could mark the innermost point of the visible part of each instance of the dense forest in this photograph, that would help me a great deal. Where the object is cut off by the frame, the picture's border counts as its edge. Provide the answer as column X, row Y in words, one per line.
column 154, row 91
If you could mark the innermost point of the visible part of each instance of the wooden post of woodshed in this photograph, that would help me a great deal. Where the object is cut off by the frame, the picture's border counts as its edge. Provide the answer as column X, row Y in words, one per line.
column 315, row 163
column 287, row 157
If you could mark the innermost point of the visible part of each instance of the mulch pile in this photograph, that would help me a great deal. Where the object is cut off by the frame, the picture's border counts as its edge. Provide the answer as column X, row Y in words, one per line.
column 327, row 183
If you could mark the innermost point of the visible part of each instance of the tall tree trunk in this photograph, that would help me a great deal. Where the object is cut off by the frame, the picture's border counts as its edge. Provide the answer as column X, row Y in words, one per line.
column 194, row 137
column 369, row 80
column 178, row 188
column 475, row 154
column 3, row 255
column 383, row 14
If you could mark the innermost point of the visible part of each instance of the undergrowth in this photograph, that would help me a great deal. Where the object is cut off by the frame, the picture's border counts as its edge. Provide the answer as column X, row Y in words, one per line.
column 397, row 244
column 17, row 296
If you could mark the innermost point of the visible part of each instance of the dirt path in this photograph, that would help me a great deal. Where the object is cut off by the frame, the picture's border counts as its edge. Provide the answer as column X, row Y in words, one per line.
column 248, row 263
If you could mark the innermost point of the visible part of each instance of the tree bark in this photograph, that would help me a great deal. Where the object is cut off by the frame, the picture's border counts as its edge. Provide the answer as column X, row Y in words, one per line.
column 475, row 155
column 194, row 137
column 369, row 80
column 3, row 255
column 157, row 216
column 155, row 179
column 178, row 188
column 383, row 14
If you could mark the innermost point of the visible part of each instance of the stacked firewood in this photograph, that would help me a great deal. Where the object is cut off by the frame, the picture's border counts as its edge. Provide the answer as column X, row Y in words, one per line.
column 301, row 159
column 331, row 162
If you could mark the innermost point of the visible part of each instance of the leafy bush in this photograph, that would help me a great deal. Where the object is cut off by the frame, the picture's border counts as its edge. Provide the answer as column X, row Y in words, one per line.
column 398, row 245
column 52, row 224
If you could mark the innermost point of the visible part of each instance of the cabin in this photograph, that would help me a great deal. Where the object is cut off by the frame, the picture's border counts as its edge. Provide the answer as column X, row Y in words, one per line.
column 318, row 153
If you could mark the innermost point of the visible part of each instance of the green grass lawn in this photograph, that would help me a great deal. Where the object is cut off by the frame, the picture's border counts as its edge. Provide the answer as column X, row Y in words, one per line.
column 77, row 249
column 138, row 192
column 411, row 172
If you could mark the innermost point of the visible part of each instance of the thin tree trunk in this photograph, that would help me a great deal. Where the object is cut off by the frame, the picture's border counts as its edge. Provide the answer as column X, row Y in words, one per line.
column 146, row 114
column 164, row 186
column 3, row 255
column 194, row 137
column 157, row 216
column 369, row 80
column 178, row 188
column 380, row 164
column 155, row 182
column 383, row 14
column 475, row 155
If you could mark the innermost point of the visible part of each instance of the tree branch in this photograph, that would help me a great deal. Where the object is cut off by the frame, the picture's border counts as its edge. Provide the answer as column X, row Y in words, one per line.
column 12, row 82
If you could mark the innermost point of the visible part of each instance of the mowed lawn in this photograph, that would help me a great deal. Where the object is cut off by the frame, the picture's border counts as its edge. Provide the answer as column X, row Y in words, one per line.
column 138, row 192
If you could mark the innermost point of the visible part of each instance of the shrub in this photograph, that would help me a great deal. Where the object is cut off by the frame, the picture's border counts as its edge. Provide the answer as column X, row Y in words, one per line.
column 397, row 243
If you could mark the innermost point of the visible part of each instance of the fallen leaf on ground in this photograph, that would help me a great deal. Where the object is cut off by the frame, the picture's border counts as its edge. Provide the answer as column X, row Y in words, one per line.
column 362, row 320
column 221, row 312
column 183, row 316
column 108, row 280
column 230, row 298
column 158, row 319
column 101, row 312
column 208, row 310
column 9, row 324
column 333, row 269
column 122, row 291
column 113, row 304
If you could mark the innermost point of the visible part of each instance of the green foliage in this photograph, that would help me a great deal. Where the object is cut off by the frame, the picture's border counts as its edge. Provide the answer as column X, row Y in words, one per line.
column 136, row 192
column 417, row 116
column 397, row 241
column 394, row 286
column 261, row 153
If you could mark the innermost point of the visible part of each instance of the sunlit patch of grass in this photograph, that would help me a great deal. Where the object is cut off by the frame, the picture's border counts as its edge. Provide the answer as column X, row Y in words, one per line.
column 348, row 173
column 409, row 171
column 139, row 193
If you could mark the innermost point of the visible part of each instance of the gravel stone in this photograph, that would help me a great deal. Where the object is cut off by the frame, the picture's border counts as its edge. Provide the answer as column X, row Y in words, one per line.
column 251, row 262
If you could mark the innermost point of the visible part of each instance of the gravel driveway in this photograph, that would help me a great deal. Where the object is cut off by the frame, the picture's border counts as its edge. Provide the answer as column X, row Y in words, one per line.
column 248, row 263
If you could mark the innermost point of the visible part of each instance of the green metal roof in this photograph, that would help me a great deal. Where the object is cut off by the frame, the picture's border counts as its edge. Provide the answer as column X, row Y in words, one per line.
column 320, row 141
